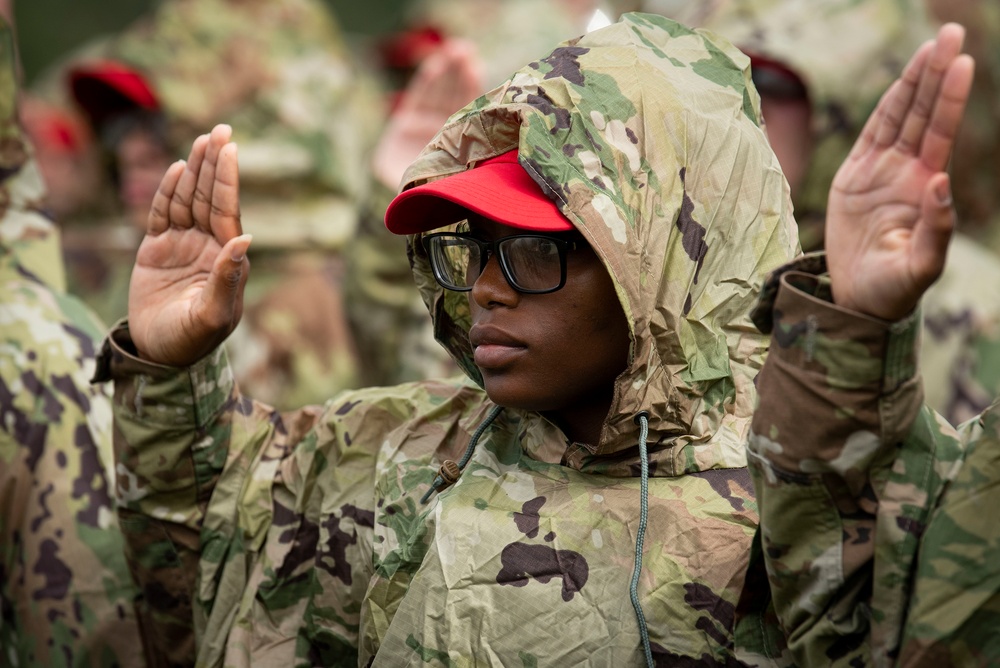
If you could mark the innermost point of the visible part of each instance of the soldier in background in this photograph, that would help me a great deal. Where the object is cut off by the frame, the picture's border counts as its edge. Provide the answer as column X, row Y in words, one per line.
column 820, row 69
column 305, row 122
column 66, row 596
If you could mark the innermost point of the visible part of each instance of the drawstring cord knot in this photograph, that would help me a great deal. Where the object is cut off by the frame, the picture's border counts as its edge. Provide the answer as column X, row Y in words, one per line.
column 642, row 419
column 450, row 471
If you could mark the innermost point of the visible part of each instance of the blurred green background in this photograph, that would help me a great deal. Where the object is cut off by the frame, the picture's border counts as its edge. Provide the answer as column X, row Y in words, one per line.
column 48, row 29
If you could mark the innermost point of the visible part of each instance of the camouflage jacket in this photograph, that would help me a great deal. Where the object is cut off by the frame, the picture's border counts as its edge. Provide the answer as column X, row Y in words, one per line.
column 862, row 525
column 66, row 598
column 302, row 538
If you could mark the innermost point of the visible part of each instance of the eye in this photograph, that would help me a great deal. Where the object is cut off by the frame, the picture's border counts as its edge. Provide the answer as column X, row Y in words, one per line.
column 548, row 248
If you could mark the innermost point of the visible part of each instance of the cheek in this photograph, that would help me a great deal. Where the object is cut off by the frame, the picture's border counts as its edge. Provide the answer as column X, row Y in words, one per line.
column 597, row 328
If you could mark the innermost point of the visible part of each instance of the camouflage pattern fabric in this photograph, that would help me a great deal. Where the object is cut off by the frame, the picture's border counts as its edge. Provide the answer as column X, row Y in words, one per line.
column 66, row 598
column 850, row 470
column 314, row 546
column 291, row 94
column 305, row 121
column 847, row 53
column 960, row 356
column 507, row 33
column 956, row 598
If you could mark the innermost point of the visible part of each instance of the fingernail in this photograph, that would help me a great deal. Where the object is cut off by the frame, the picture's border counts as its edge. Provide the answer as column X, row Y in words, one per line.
column 241, row 249
column 943, row 193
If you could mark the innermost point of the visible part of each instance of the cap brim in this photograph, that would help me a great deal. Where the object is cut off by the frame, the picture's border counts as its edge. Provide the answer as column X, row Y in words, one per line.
column 498, row 189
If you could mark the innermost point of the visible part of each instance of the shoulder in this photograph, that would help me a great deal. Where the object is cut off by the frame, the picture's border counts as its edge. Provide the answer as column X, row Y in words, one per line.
column 361, row 427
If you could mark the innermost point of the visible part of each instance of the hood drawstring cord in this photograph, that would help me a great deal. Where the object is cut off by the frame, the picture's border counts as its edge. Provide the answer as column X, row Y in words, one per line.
column 449, row 471
column 642, row 419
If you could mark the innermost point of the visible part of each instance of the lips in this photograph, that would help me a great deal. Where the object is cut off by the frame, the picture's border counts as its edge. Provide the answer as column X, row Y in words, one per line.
column 494, row 348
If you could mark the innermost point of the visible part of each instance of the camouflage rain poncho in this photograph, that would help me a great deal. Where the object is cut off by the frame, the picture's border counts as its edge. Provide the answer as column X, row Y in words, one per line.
column 66, row 598
column 314, row 545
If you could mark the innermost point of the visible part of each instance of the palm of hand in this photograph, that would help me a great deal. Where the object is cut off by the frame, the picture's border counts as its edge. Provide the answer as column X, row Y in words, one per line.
column 889, row 217
column 165, row 296
column 875, row 207
column 186, row 292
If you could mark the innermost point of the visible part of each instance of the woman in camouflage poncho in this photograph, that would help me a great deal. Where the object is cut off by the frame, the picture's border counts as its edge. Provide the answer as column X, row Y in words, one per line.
column 326, row 537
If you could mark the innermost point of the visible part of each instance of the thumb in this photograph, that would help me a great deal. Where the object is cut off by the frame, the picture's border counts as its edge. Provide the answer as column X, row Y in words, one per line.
column 933, row 231
column 224, row 289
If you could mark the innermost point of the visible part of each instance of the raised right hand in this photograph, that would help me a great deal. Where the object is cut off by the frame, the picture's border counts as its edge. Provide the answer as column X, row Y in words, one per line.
column 186, row 293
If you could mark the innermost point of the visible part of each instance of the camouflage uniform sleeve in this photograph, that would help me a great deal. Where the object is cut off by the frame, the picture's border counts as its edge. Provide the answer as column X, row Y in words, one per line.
column 168, row 456
column 185, row 444
column 847, row 465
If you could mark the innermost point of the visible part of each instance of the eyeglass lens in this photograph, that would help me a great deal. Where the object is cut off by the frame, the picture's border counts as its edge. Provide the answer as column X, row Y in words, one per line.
column 529, row 263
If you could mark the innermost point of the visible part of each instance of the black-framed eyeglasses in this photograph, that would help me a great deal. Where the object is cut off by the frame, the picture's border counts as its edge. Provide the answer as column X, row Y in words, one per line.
column 534, row 264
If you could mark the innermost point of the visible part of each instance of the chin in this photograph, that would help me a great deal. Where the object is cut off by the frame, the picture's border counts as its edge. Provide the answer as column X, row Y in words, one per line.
column 510, row 394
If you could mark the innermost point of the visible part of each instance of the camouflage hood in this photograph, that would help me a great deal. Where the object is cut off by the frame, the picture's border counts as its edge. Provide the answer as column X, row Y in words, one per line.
column 648, row 136
column 29, row 242
column 846, row 52
column 280, row 74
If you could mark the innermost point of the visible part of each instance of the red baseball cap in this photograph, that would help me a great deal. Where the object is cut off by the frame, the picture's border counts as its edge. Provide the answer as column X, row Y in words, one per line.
column 498, row 188
column 106, row 88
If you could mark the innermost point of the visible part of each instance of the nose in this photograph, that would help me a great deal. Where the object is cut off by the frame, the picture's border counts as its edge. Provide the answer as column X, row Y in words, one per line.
column 491, row 288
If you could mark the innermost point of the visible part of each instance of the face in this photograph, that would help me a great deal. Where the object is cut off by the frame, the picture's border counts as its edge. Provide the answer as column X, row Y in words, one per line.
column 557, row 353
column 141, row 161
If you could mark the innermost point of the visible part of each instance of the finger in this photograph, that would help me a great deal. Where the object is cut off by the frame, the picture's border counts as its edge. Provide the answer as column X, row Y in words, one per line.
column 179, row 211
column 939, row 139
column 218, row 305
column 201, row 207
column 946, row 49
column 224, row 218
column 158, row 220
column 896, row 105
column 866, row 140
column 933, row 231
